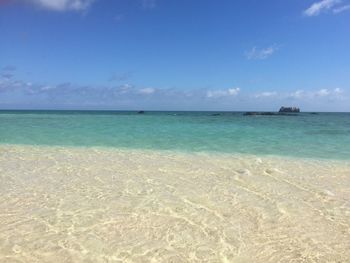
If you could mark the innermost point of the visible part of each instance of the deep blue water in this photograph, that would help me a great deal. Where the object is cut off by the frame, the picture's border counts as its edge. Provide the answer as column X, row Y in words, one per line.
column 321, row 135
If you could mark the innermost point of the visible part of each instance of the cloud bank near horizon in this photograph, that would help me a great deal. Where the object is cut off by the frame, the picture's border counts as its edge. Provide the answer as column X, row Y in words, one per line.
column 16, row 93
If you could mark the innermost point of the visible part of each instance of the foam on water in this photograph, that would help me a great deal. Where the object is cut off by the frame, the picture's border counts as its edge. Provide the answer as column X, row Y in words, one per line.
column 66, row 204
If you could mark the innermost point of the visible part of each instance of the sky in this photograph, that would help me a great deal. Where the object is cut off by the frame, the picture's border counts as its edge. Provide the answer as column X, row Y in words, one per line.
column 175, row 55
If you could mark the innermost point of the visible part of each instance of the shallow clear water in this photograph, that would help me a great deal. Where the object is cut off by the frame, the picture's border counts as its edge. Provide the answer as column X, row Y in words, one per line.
column 77, row 204
column 321, row 135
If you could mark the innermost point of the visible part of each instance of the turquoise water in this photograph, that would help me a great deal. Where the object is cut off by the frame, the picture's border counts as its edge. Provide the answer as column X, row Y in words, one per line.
column 321, row 135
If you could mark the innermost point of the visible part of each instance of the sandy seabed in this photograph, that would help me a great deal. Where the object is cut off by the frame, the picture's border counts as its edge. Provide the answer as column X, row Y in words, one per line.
column 61, row 204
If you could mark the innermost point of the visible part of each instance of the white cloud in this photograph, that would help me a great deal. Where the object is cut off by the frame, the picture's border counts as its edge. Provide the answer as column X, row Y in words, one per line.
column 47, row 87
column 222, row 93
column 63, row 5
column 146, row 91
column 125, row 88
column 318, row 7
column 11, row 84
column 264, row 53
column 297, row 94
column 322, row 92
column 316, row 94
column 338, row 91
column 234, row 91
column 149, row 4
column 341, row 9
column 266, row 94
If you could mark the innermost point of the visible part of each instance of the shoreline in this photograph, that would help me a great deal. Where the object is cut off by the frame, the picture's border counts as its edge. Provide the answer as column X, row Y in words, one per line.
column 166, row 152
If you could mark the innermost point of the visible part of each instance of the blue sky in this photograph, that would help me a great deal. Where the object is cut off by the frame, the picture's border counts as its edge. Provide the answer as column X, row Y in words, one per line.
column 175, row 55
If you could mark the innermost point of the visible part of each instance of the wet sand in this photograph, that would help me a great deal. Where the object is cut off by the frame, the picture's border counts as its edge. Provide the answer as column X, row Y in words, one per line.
column 60, row 204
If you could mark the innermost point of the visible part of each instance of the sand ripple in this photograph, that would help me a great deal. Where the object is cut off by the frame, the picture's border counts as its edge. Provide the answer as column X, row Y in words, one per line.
column 101, row 205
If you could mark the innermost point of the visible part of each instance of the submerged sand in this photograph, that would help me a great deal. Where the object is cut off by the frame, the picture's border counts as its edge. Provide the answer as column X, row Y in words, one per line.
column 60, row 204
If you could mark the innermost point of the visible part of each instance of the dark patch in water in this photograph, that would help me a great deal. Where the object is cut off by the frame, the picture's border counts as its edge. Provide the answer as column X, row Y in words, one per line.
column 253, row 113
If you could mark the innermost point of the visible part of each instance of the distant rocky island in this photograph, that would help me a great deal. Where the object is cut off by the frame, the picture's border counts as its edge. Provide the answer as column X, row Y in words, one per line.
column 288, row 111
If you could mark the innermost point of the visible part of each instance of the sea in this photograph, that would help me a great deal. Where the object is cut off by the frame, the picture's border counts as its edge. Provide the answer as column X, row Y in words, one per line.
column 305, row 135
column 128, row 186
